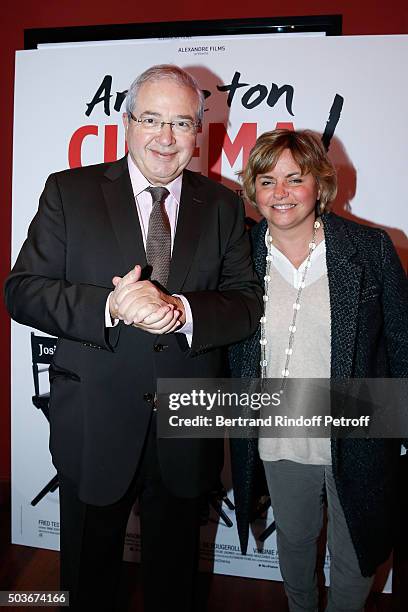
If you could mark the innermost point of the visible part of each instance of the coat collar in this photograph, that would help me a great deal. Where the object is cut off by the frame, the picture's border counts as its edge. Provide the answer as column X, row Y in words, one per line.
column 344, row 276
column 119, row 198
column 190, row 223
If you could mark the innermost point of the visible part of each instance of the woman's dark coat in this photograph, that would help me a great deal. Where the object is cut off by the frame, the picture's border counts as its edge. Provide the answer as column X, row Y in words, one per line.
column 369, row 339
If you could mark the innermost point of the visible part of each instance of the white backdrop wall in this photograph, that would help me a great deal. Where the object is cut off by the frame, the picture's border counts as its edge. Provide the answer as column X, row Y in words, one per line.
column 68, row 106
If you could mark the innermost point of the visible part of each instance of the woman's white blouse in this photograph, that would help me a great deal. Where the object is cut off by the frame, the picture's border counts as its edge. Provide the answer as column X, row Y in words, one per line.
column 311, row 349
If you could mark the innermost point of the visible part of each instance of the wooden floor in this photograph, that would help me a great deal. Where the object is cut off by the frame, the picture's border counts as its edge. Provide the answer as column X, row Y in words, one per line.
column 25, row 568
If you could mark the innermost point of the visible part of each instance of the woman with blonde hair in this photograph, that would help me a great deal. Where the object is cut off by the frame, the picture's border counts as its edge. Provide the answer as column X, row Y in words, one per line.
column 335, row 306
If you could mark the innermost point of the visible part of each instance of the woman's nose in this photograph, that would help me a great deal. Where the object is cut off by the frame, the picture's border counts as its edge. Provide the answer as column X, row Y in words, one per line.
column 280, row 191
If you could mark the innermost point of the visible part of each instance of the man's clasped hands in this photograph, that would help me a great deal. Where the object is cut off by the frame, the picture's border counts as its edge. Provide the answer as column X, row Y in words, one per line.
column 142, row 304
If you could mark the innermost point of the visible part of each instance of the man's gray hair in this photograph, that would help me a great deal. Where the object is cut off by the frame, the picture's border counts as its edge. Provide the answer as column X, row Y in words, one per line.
column 165, row 71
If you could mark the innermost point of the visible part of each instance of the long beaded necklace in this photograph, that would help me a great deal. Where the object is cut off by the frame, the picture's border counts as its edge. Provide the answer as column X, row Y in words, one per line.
column 296, row 307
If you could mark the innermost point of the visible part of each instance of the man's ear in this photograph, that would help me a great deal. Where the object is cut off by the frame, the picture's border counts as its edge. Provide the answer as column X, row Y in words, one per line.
column 125, row 119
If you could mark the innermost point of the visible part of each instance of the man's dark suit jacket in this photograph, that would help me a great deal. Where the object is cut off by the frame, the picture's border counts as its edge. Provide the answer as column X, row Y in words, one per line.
column 103, row 380
column 369, row 339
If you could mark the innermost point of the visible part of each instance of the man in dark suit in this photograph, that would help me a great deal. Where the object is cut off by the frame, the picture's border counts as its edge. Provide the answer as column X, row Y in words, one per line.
column 142, row 269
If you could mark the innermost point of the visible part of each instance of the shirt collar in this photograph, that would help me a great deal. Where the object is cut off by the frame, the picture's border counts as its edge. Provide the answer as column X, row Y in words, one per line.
column 319, row 250
column 140, row 182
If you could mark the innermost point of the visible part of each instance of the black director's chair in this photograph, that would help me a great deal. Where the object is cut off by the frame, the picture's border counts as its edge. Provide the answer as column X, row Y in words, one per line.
column 42, row 351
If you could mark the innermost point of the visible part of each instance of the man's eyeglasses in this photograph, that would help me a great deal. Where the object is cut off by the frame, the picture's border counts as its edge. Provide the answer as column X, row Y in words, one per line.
column 179, row 126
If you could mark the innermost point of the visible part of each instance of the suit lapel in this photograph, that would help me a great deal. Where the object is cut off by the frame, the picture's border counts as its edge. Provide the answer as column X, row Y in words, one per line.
column 120, row 202
column 190, row 222
column 344, row 277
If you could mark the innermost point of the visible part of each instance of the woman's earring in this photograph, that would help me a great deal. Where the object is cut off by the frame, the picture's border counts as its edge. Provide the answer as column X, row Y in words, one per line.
column 319, row 207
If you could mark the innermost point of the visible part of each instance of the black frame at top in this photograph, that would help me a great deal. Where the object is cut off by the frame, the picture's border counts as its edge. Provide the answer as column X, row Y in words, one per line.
column 330, row 24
